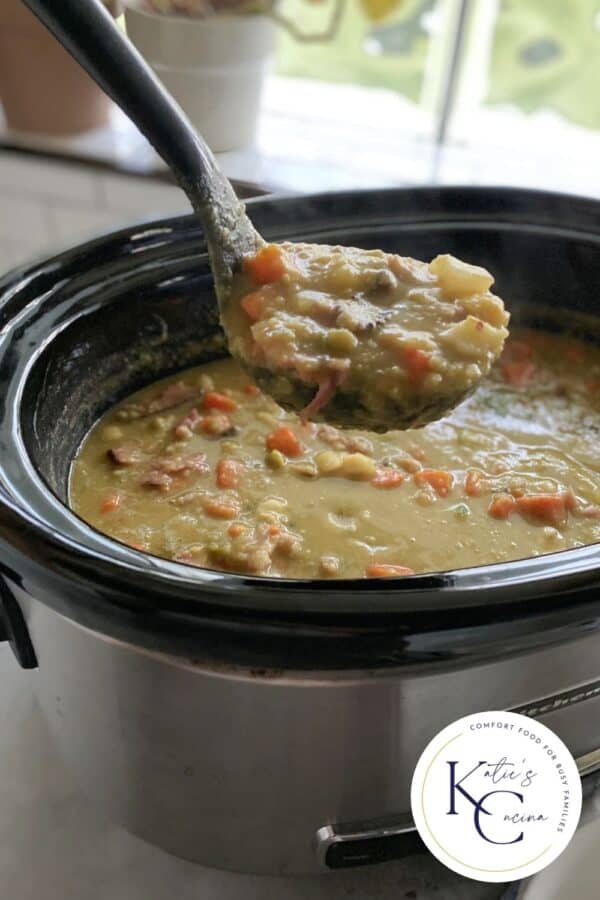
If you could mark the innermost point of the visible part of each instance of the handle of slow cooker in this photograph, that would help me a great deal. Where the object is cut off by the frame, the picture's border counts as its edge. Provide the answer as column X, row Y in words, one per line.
column 87, row 31
column 13, row 628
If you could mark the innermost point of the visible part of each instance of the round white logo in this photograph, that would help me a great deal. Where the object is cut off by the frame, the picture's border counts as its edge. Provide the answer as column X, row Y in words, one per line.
column 496, row 796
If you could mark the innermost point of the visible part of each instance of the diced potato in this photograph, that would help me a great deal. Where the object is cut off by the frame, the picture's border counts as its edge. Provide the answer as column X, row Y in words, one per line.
column 342, row 276
column 305, row 469
column 328, row 461
column 459, row 279
column 398, row 339
column 313, row 303
column 358, row 466
column 487, row 307
column 472, row 336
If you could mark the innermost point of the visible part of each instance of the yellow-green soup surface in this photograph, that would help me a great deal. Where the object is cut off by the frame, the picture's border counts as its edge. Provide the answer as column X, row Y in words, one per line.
column 379, row 341
column 205, row 469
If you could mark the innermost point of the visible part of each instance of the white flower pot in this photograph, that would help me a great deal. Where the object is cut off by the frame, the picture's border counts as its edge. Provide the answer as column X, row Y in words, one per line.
column 214, row 67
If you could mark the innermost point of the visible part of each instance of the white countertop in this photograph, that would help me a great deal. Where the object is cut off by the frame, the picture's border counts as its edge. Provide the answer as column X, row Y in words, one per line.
column 314, row 136
column 53, row 846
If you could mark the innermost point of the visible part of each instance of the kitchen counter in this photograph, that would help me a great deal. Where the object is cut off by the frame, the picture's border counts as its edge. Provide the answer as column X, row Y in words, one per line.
column 59, row 191
column 53, row 845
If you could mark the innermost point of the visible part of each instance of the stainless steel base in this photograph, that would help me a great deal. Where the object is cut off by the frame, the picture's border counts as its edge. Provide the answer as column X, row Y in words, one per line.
column 243, row 772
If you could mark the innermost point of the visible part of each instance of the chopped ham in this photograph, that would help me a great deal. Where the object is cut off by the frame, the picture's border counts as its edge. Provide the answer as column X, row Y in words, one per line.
column 165, row 471
column 127, row 455
column 173, row 395
column 185, row 428
column 253, row 549
column 353, row 443
column 324, row 394
column 215, row 424
column 157, row 479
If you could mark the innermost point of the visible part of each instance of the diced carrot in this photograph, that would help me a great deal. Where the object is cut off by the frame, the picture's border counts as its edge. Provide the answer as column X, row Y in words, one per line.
column 235, row 530
column 220, row 509
column 214, row 400
column 110, row 503
column 501, row 506
column 252, row 390
column 518, row 373
column 474, row 484
column 384, row 570
column 266, row 266
column 546, row 509
column 417, row 363
column 284, row 440
column 274, row 531
column 439, row 480
column 252, row 304
column 229, row 472
column 388, row 478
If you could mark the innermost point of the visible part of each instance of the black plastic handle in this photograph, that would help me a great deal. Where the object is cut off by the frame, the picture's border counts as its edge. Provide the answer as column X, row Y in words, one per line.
column 13, row 628
column 88, row 32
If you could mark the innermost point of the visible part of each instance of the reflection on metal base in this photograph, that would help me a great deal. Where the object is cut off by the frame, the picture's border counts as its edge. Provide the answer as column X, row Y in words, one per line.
column 345, row 846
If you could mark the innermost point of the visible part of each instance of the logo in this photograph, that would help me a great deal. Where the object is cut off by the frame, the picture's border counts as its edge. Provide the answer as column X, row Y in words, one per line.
column 496, row 796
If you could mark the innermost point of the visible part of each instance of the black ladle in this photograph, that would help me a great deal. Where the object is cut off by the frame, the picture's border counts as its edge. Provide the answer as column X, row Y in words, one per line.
column 89, row 33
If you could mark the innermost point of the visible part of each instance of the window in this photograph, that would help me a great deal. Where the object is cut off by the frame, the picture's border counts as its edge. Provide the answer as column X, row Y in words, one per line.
column 510, row 82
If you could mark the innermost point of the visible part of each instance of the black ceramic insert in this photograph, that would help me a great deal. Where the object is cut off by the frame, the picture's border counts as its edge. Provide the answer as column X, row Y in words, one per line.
column 83, row 330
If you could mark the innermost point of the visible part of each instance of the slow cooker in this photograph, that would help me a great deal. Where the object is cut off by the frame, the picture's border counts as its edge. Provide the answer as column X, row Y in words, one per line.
column 258, row 724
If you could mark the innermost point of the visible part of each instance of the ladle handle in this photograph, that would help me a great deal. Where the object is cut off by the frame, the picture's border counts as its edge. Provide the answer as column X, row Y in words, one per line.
column 88, row 32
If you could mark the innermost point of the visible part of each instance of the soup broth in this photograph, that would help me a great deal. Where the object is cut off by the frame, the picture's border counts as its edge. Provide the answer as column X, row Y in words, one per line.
column 205, row 469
